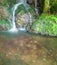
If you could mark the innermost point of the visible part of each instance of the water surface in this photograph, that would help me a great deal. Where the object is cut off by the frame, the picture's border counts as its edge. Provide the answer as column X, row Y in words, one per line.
column 25, row 48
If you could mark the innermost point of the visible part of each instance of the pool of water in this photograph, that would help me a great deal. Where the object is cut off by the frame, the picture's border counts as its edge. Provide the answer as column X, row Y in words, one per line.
column 25, row 48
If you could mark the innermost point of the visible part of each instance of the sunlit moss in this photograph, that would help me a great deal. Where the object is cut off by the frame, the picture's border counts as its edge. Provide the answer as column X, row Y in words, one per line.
column 4, row 25
column 45, row 24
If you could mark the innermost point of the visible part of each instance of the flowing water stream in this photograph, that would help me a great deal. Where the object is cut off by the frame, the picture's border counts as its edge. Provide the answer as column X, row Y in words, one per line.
column 14, row 12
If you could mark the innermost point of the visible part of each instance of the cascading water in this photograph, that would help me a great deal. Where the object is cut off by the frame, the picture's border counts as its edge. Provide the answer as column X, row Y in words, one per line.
column 36, row 7
column 13, row 18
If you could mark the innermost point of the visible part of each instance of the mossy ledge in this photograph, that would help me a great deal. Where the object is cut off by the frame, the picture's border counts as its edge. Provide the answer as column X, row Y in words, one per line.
column 45, row 25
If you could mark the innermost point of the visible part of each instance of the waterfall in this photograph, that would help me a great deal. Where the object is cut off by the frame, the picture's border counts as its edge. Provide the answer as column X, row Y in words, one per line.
column 14, row 18
column 36, row 7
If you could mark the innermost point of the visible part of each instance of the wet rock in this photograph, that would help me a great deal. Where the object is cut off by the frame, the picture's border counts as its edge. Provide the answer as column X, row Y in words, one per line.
column 4, row 25
column 45, row 25
column 23, row 17
column 22, row 20
column 3, row 13
column 4, row 19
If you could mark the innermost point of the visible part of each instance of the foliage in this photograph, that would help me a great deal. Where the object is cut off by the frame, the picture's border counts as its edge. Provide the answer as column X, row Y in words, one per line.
column 50, row 6
column 4, row 25
column 41, row 5
column 4, row 13
column 21, row 10
column 8, row 3
column 45, row 24
column 53, row 4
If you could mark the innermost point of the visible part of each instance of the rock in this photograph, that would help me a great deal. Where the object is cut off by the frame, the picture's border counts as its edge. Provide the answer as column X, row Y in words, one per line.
column 45, row 25
column 4, row 25
column 4, row 19
column 3, row 13
column 23, row 16
column 22, row 20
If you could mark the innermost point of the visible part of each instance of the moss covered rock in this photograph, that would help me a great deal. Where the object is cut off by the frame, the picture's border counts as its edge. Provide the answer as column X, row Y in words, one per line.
column 4, row 14
column 4, row 25
column 23, row 15
column 4, row 19
column 7, row 3
column 45, row 24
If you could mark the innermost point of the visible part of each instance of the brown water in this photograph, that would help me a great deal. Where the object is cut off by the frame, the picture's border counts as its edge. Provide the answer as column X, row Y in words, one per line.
column 27, row 49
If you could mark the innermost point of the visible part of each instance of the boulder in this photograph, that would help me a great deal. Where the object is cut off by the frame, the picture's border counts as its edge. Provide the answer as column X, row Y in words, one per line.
column 45, row 25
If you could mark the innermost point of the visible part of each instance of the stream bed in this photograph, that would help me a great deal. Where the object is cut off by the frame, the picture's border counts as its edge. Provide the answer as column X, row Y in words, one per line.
column 25, row 48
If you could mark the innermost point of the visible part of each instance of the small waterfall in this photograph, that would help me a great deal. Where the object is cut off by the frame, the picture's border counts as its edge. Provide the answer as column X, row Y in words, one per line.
column 36, row 7
column 14, row 18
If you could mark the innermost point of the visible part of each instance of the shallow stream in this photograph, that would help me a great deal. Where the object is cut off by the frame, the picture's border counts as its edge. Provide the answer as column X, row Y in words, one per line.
column 25, row 48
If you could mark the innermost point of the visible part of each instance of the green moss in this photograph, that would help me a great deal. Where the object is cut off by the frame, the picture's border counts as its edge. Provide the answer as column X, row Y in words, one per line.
column 21, row 10
column 4, row 25
column 53, row 8
column 45, row 24
column 8, row 3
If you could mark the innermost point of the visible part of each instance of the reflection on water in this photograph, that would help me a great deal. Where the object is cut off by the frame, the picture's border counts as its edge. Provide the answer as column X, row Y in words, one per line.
column 31, row 49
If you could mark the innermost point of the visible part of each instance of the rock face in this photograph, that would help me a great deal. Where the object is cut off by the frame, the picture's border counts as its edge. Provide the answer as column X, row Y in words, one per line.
column 22, row 20
column 4, row 17
column 4, row 25
column 3, row 13
column 23, row 16
column 45, row 25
